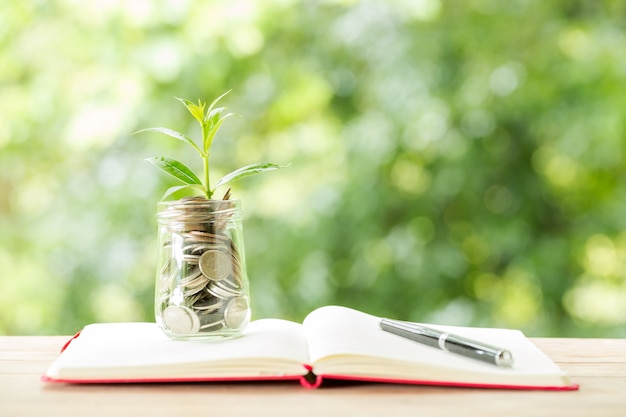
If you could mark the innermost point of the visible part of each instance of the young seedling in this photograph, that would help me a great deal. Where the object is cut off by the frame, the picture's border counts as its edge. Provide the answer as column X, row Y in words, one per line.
column 210, row 120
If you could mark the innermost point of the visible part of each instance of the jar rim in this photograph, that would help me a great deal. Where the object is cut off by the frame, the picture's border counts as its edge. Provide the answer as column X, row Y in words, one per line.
column 196, row 208
column 199, row 202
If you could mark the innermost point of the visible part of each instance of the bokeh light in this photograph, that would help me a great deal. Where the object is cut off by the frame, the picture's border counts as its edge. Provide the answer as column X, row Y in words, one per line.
column 448, row 162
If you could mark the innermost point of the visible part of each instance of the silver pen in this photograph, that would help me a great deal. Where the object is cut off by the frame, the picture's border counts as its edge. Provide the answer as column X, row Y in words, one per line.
column 449, row 342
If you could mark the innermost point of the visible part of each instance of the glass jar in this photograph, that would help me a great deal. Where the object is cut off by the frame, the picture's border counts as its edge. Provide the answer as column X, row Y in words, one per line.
column 202, row 288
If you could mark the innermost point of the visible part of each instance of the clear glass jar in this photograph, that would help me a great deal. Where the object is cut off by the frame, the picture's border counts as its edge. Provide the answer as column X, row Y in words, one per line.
column 202, row 288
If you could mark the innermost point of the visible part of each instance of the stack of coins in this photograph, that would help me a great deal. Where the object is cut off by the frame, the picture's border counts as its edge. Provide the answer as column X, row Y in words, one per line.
column 202, row 287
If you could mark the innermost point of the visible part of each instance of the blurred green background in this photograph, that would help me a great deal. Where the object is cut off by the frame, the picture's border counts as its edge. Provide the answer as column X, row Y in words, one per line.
column 451, row 162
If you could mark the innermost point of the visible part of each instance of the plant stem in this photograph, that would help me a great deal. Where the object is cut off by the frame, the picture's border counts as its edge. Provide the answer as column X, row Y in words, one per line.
column 207, row 184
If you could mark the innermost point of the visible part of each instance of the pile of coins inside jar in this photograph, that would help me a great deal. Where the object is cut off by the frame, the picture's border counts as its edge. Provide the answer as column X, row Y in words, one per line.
column 202, row 287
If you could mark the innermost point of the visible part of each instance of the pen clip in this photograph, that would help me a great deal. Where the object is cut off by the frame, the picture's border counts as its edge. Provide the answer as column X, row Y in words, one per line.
column 409, row 327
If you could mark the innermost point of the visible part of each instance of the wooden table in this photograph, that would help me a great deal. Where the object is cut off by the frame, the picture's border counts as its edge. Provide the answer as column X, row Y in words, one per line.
column 598, row 365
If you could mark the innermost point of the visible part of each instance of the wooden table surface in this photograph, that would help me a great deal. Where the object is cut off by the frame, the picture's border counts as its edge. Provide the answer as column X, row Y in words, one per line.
column 598, row 365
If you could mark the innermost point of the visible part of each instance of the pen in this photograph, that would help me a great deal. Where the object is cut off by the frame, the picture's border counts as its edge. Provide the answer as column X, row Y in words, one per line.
column 449, row 342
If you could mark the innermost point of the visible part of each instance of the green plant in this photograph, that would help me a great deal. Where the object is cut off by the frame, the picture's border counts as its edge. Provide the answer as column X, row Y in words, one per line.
column 210, row 120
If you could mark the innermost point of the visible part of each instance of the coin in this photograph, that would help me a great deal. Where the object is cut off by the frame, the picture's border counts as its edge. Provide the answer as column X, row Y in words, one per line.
column 224, row 288
column 181, row 320
column 237, row 313
column 230, row 283
column 197, row 248
column 215, row 265
column 192, row 275
column 211, row 322
column 191, row 259
column 191, row 300
column 203, row 282
column 166, row 275
column 193, row 283
column 207, row 303
column 192, row 291
column 219, row 292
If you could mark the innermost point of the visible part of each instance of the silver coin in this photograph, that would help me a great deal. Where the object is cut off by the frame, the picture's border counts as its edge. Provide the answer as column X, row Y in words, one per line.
column 193, row 292
column 223, row 288
column 193, row 299
column 198, row 236
column 192, row 276
column 215, row 265
column 211, row 322
column 197, row 248
column 207, row 304
column 196, row 285
column 230, row 284
column 219, row 292
column 165, row 281
column 237, row 313
column 181, row 320
column 191, row 259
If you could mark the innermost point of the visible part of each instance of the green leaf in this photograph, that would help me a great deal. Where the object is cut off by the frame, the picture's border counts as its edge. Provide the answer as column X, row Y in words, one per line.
column 179, row 191
column 171, row 133
column 246, row 172
column 210, row 135
column 196, row 110
column 176, row 169
column 214, row 116
column 209, row 111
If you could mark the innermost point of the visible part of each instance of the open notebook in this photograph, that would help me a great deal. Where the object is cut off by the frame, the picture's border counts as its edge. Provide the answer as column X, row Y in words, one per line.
column 332, row 343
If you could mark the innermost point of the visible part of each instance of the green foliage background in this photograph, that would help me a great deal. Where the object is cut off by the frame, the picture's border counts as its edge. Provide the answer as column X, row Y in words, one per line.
column 452, row 162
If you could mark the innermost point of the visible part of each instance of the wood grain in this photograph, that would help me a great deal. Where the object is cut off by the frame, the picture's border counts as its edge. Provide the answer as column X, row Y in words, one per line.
column 598, row 365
